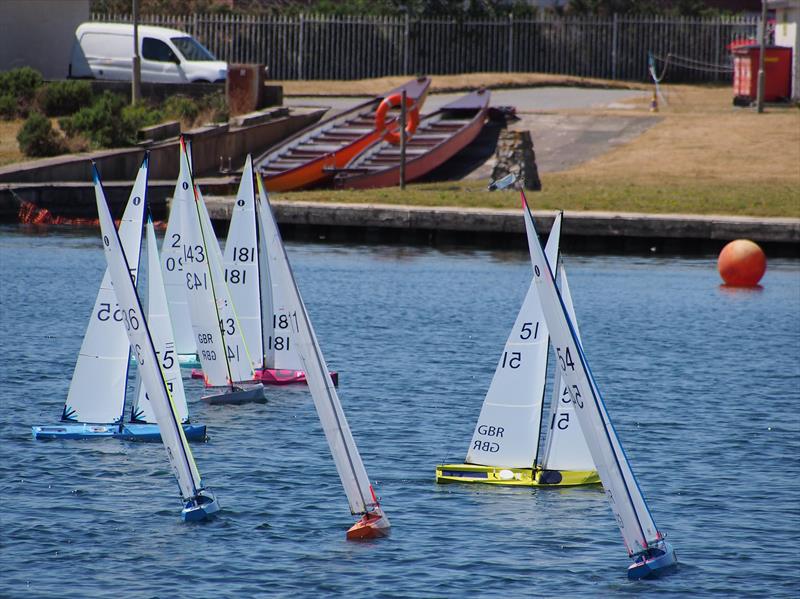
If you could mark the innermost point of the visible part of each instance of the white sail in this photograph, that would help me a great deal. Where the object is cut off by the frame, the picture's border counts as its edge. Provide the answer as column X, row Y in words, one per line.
column 351, row 469
column 221, row 348
column 135, row 325
column 622, row 490
column 97, row 390
column 565, row 447
column 163, row 340
column 277, row 295
column 172, row 262
column 507, row 433
column 242, row 265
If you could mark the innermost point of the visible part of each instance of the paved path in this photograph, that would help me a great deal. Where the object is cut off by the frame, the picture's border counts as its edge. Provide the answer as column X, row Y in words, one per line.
column 561, row 141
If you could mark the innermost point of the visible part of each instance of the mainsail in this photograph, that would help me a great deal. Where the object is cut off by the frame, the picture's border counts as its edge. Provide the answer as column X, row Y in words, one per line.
column 352, row 473
column 140, row 339
column 507, row 433
column 97, row 390
column 221, row 347
column 242, row 265
column 277, row 296
column 624, row 496
column 172, row 262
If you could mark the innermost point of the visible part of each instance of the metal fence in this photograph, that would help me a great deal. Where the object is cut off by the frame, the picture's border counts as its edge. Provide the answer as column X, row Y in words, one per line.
column 320, row 47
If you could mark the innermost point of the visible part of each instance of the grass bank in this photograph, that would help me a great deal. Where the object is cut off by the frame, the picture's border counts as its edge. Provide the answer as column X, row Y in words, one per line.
column 704, row 157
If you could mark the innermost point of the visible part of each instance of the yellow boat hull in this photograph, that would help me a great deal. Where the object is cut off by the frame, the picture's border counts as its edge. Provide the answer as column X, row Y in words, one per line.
column 513, row 477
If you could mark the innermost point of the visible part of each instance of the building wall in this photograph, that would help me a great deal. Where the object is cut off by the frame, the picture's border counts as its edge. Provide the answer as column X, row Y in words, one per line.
column 39, row 34
column 787, row 33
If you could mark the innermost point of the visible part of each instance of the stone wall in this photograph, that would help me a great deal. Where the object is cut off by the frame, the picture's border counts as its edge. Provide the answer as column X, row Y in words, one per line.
column 515, row 154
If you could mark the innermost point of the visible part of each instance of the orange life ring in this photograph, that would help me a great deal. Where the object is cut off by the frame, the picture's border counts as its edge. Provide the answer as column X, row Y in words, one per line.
column 412, row 115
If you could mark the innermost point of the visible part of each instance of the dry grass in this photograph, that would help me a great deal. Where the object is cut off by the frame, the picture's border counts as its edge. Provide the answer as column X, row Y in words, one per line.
column 9, row 150
column 446, row 83
column 704, row 156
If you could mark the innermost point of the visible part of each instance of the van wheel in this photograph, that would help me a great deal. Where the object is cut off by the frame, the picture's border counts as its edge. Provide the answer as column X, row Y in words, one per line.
column 201, row 81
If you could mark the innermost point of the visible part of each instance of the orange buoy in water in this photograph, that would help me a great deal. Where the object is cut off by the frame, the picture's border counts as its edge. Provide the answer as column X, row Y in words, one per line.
column 742, row 263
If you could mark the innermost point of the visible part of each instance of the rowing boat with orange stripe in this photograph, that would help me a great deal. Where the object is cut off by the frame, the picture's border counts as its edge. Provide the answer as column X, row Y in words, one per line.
column 310, row 157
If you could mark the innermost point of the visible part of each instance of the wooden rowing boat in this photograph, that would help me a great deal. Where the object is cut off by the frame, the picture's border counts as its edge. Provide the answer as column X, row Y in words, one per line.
column 439, row 137
column 307, row 158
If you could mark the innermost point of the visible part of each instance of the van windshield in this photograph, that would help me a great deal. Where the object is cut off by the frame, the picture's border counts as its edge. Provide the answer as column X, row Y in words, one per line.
column 192, row 49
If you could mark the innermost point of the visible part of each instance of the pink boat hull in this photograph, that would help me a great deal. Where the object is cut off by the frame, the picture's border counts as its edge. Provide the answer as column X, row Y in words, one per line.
column 270, row 376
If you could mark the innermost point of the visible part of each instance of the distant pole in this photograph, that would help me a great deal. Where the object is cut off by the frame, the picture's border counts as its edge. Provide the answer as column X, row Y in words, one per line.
column 762, row 48
column 136, row 79
column 403, row 140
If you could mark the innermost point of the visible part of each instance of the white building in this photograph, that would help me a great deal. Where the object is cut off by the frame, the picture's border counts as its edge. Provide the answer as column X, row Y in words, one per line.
column 787, row 33
column 39, row 34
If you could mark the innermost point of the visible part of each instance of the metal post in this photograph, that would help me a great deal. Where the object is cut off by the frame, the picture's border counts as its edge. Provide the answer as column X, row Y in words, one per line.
column 406, row 41
column 762, row 47
column 136, row 78
column 403, row 139
column 510, row 67
column 614, row 48
column 300, row 69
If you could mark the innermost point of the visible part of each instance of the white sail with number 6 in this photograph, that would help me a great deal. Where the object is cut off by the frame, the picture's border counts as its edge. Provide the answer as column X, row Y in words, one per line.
column 199, row 503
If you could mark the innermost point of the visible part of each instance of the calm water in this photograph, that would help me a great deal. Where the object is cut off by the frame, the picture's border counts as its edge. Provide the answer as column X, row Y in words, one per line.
column 703, row 386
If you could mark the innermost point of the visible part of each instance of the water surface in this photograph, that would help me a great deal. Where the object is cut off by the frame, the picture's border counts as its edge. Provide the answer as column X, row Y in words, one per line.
column 702, row 384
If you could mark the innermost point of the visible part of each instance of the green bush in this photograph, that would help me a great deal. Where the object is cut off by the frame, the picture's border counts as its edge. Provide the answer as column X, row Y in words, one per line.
column 181, row 108
column 8, row 107
column 109, row 122
column 21, row 83
column 64, row 97
column 217, row 107
column 141, row 115
column 37, row 137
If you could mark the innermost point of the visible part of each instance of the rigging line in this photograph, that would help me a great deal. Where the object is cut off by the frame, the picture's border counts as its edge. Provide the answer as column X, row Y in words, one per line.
column 697, row 65
column 652, row 67
column 257, row 249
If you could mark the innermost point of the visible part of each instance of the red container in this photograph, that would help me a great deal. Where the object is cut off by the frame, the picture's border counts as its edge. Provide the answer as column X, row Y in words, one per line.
column 777, row 74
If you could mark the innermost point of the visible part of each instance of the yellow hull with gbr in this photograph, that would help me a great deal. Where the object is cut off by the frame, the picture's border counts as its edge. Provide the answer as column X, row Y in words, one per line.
column 514, row 477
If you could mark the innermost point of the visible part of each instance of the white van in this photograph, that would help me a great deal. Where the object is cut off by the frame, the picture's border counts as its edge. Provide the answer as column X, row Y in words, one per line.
column 105, row 51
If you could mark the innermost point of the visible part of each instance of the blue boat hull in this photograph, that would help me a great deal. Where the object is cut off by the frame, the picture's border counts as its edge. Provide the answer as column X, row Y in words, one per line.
column 199, row 508
column 660, row 561
column 129, row 432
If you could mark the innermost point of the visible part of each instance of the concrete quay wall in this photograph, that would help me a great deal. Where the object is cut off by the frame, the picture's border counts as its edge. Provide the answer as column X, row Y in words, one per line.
column 589, row 231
